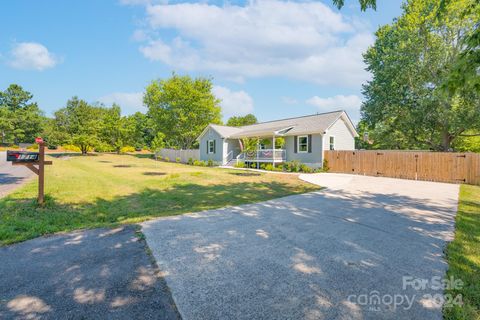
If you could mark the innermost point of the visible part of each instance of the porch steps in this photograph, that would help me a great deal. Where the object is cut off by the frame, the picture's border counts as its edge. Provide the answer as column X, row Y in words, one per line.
column 230, row 163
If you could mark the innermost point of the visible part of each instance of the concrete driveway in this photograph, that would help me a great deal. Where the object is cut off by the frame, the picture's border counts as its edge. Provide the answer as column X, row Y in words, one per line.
column 89, row 274
column 11, row 177
column 356, row 250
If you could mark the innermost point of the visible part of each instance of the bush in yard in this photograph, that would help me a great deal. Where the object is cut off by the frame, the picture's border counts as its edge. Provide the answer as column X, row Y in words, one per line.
column 239, row 165
column 292, row 166
column 306, row 169
column 103, row 147
column 178, row 160
column 71, row 147
column 167, row 159
column 200, row 163
column 268, row 167
column 325, row 167
column 33, row 147
column 210, row 163
column 127, row 149
column 159, row 158
column 190, row 161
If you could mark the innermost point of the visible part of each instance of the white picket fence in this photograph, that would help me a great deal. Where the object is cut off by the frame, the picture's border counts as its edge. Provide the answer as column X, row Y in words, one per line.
column 184, row 155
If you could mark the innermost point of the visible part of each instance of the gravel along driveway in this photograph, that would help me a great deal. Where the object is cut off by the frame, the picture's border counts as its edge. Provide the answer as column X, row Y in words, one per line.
column 11, row 177
column 355, row 250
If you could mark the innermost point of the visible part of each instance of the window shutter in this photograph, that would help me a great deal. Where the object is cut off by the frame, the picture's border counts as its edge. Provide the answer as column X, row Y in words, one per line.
column 309, row 143
column 207, row 148
column 295, row 141
column 214, row 146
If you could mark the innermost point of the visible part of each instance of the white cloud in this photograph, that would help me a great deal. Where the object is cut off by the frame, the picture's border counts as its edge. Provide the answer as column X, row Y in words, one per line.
column 32, row 56
column 129, row 102
column 289, row 100
column 351, row 104
column 234, row 103
column 300, row 40
column 139, row 35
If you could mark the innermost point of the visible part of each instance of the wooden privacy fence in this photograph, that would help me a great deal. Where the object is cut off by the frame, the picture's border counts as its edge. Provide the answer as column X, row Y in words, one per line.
column 417, row 165
column 184, row 155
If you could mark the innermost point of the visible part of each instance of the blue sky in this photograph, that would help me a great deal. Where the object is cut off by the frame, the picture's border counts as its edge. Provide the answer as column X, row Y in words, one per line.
column 272, row 58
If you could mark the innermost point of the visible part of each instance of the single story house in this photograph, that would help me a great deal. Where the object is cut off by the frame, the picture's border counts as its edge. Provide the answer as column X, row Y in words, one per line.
column 302, row 138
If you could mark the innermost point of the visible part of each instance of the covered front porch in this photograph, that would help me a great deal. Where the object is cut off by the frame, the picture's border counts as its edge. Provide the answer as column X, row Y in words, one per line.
column 262, row 149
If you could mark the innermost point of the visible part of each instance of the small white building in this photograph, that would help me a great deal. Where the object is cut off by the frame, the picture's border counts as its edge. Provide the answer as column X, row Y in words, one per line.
column 305, row 139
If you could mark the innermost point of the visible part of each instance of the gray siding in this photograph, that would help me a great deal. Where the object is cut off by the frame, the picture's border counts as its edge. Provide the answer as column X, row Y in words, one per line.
column 219, row 147
column 344, row 139
column 314, row 159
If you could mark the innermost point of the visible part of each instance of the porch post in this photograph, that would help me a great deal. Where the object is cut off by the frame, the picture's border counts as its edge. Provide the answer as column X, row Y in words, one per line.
column 273, row 147
column 258, row 148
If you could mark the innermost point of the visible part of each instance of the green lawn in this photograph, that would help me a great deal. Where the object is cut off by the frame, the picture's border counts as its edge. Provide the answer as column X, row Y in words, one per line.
column 104, row 190
column 463, row 255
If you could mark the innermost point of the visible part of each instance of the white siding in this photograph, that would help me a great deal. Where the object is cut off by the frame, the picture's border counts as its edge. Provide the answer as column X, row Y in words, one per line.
column 344, row 139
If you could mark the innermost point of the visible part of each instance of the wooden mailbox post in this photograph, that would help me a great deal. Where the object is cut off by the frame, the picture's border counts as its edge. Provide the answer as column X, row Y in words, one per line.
column 35, row 161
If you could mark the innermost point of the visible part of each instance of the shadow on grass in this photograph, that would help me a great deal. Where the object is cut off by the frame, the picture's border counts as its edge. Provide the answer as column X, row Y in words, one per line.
column 154, row 173
column 64, row 154
column 144, row 156
column 21, row 219
column 245, row 174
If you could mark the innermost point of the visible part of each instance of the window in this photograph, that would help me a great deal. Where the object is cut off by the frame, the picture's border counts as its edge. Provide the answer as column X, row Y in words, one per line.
column 211, row 146
column 332, row 143
column 262, row 146
column 303, row 144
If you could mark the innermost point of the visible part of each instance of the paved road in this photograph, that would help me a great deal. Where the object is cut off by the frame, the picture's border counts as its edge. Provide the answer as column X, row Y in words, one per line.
column 94, row 274
column 11, row 177
column 324, row 255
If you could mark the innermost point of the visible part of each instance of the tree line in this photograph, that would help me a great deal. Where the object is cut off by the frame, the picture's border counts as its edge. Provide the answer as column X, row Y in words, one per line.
column 424, row 93
column 179, row 108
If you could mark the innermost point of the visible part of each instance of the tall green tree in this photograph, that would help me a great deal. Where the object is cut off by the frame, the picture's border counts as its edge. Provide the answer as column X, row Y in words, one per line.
column 81, row 122
column 20, row 119
column 53, row 135
column 238, row 121
column 410, row 61
column 466, row 70
column 181, row 107
column 115, row 130
column 143, row 129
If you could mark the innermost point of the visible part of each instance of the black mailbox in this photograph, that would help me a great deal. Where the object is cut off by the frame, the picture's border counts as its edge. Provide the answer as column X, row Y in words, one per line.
column 22, row 156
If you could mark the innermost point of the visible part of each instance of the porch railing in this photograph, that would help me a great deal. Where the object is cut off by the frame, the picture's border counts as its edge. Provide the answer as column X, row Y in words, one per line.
column 228, row 157
column 264, row 155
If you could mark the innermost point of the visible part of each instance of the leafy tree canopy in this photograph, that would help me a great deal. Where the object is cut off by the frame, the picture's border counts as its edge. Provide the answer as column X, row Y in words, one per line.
column 181, row 107
column 81, row 122
column 238, row 121
column 406, row 104
column 364, row 4
column 20, row 119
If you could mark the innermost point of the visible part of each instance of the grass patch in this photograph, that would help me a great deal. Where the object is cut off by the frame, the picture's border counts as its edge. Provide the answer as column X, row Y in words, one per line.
column 86, row 192
column 463, row 255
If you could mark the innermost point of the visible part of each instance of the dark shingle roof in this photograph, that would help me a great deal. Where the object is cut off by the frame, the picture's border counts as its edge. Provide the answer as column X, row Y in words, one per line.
column 316, row 123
